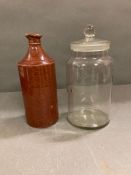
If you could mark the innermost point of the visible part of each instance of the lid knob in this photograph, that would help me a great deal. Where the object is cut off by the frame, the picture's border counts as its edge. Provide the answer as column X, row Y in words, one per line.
column 89, row 32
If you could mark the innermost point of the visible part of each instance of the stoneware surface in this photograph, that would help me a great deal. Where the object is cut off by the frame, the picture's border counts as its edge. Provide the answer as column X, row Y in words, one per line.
column 38, row 84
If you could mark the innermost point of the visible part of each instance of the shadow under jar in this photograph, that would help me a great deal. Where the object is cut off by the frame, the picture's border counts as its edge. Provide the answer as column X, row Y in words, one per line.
column 89, row 82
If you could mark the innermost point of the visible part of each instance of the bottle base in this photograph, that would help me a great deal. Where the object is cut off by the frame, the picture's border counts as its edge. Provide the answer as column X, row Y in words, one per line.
column 88, row 119
column 41, row 125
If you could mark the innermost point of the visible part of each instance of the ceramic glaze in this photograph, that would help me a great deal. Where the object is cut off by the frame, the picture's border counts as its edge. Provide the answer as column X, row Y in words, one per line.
column 38, row 84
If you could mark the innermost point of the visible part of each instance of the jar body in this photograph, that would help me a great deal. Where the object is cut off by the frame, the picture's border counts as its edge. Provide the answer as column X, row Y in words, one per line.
column 89, row 82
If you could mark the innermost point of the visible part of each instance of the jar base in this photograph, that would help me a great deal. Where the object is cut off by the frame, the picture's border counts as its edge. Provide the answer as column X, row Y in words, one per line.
column 89, row 119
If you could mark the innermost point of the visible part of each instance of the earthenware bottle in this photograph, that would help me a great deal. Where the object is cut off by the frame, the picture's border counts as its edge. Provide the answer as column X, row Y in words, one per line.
column 38, row 84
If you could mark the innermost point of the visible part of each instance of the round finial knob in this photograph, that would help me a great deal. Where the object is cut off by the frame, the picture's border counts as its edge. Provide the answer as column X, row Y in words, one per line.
column 89, row 31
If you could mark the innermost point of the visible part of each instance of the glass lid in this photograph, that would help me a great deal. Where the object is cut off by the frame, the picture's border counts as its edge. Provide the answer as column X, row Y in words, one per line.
column 90, row 43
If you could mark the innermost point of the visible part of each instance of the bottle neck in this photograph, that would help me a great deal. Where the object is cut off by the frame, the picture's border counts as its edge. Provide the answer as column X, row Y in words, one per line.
column 34, row 43
column 91, row 54
column 35, row 51
column 35, row 47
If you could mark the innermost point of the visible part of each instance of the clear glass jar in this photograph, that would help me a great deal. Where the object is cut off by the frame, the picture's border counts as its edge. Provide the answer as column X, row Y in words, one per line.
column 89, row 81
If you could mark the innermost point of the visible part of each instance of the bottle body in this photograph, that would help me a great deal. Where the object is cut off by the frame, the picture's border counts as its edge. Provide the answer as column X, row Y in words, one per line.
column 38, row 84
column 89, row 82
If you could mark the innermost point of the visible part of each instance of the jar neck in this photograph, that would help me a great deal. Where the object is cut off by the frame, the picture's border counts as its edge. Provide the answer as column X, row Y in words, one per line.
column 91, row 54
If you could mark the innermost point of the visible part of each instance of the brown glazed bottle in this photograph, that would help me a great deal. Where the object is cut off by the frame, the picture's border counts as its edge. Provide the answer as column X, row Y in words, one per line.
column 38, row 84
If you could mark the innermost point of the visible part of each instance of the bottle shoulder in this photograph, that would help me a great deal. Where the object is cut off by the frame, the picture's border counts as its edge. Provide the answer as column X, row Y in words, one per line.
column 36, row 60
column 36, row 56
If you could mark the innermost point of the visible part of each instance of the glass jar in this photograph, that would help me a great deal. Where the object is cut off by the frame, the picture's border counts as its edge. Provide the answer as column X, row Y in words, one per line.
column 89, row 82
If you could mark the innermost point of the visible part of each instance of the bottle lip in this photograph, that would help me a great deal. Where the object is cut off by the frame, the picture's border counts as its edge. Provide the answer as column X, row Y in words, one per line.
column 33, row 38
column 33, row 35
